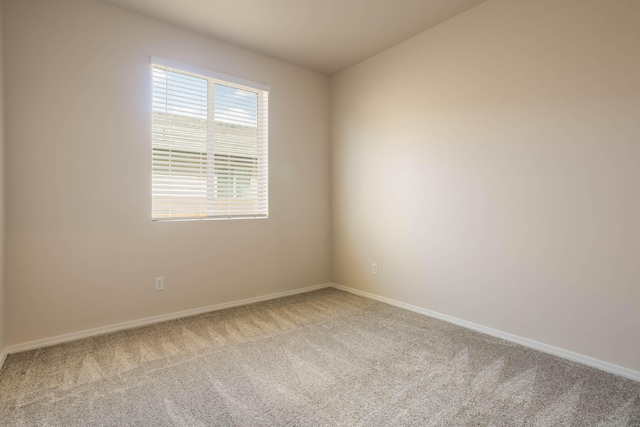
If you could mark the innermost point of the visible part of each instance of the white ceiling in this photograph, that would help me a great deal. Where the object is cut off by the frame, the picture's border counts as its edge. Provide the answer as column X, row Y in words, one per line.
column 322, row 35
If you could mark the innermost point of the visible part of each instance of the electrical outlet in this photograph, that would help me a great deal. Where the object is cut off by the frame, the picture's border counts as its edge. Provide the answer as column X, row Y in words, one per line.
column 374, row 268
column 159, row 283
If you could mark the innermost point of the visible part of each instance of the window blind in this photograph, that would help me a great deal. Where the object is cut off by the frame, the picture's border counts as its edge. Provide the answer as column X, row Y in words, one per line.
column 209, row 145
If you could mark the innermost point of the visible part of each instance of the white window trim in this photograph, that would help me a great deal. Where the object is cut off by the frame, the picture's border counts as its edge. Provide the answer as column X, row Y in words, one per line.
column 163, row 62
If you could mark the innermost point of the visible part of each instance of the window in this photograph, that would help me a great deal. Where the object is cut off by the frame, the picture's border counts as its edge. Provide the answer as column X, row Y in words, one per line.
column 209, row 145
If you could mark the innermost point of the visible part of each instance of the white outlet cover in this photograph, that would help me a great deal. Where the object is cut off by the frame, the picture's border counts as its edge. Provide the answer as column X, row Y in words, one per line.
column 159, row 283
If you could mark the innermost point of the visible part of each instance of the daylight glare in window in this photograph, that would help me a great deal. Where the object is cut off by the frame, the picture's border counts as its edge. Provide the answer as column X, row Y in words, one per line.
column 209, row 147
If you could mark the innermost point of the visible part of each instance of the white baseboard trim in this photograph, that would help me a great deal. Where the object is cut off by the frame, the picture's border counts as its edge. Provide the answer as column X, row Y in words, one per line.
column 3, row 357
column 46, row 342
column 565, row 354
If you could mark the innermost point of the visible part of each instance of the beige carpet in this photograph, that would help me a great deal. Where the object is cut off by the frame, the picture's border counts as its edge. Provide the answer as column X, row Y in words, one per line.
column 326, row 358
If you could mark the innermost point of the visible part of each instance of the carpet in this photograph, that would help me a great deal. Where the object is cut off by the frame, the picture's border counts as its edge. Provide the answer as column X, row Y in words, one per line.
column 324, row 358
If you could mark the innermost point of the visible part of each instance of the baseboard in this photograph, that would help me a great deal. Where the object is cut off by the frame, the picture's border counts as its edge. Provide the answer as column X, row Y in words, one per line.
column 565, row 354
column 3, row 357
column 46, row 342
column 556, row 351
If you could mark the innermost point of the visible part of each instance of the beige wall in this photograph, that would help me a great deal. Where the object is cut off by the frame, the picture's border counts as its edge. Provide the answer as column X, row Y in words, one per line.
column 2, row 231
column 491, row 167
column 82, row 251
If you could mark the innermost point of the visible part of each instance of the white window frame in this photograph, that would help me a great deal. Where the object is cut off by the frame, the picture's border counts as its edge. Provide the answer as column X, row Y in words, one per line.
column 234, row 208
